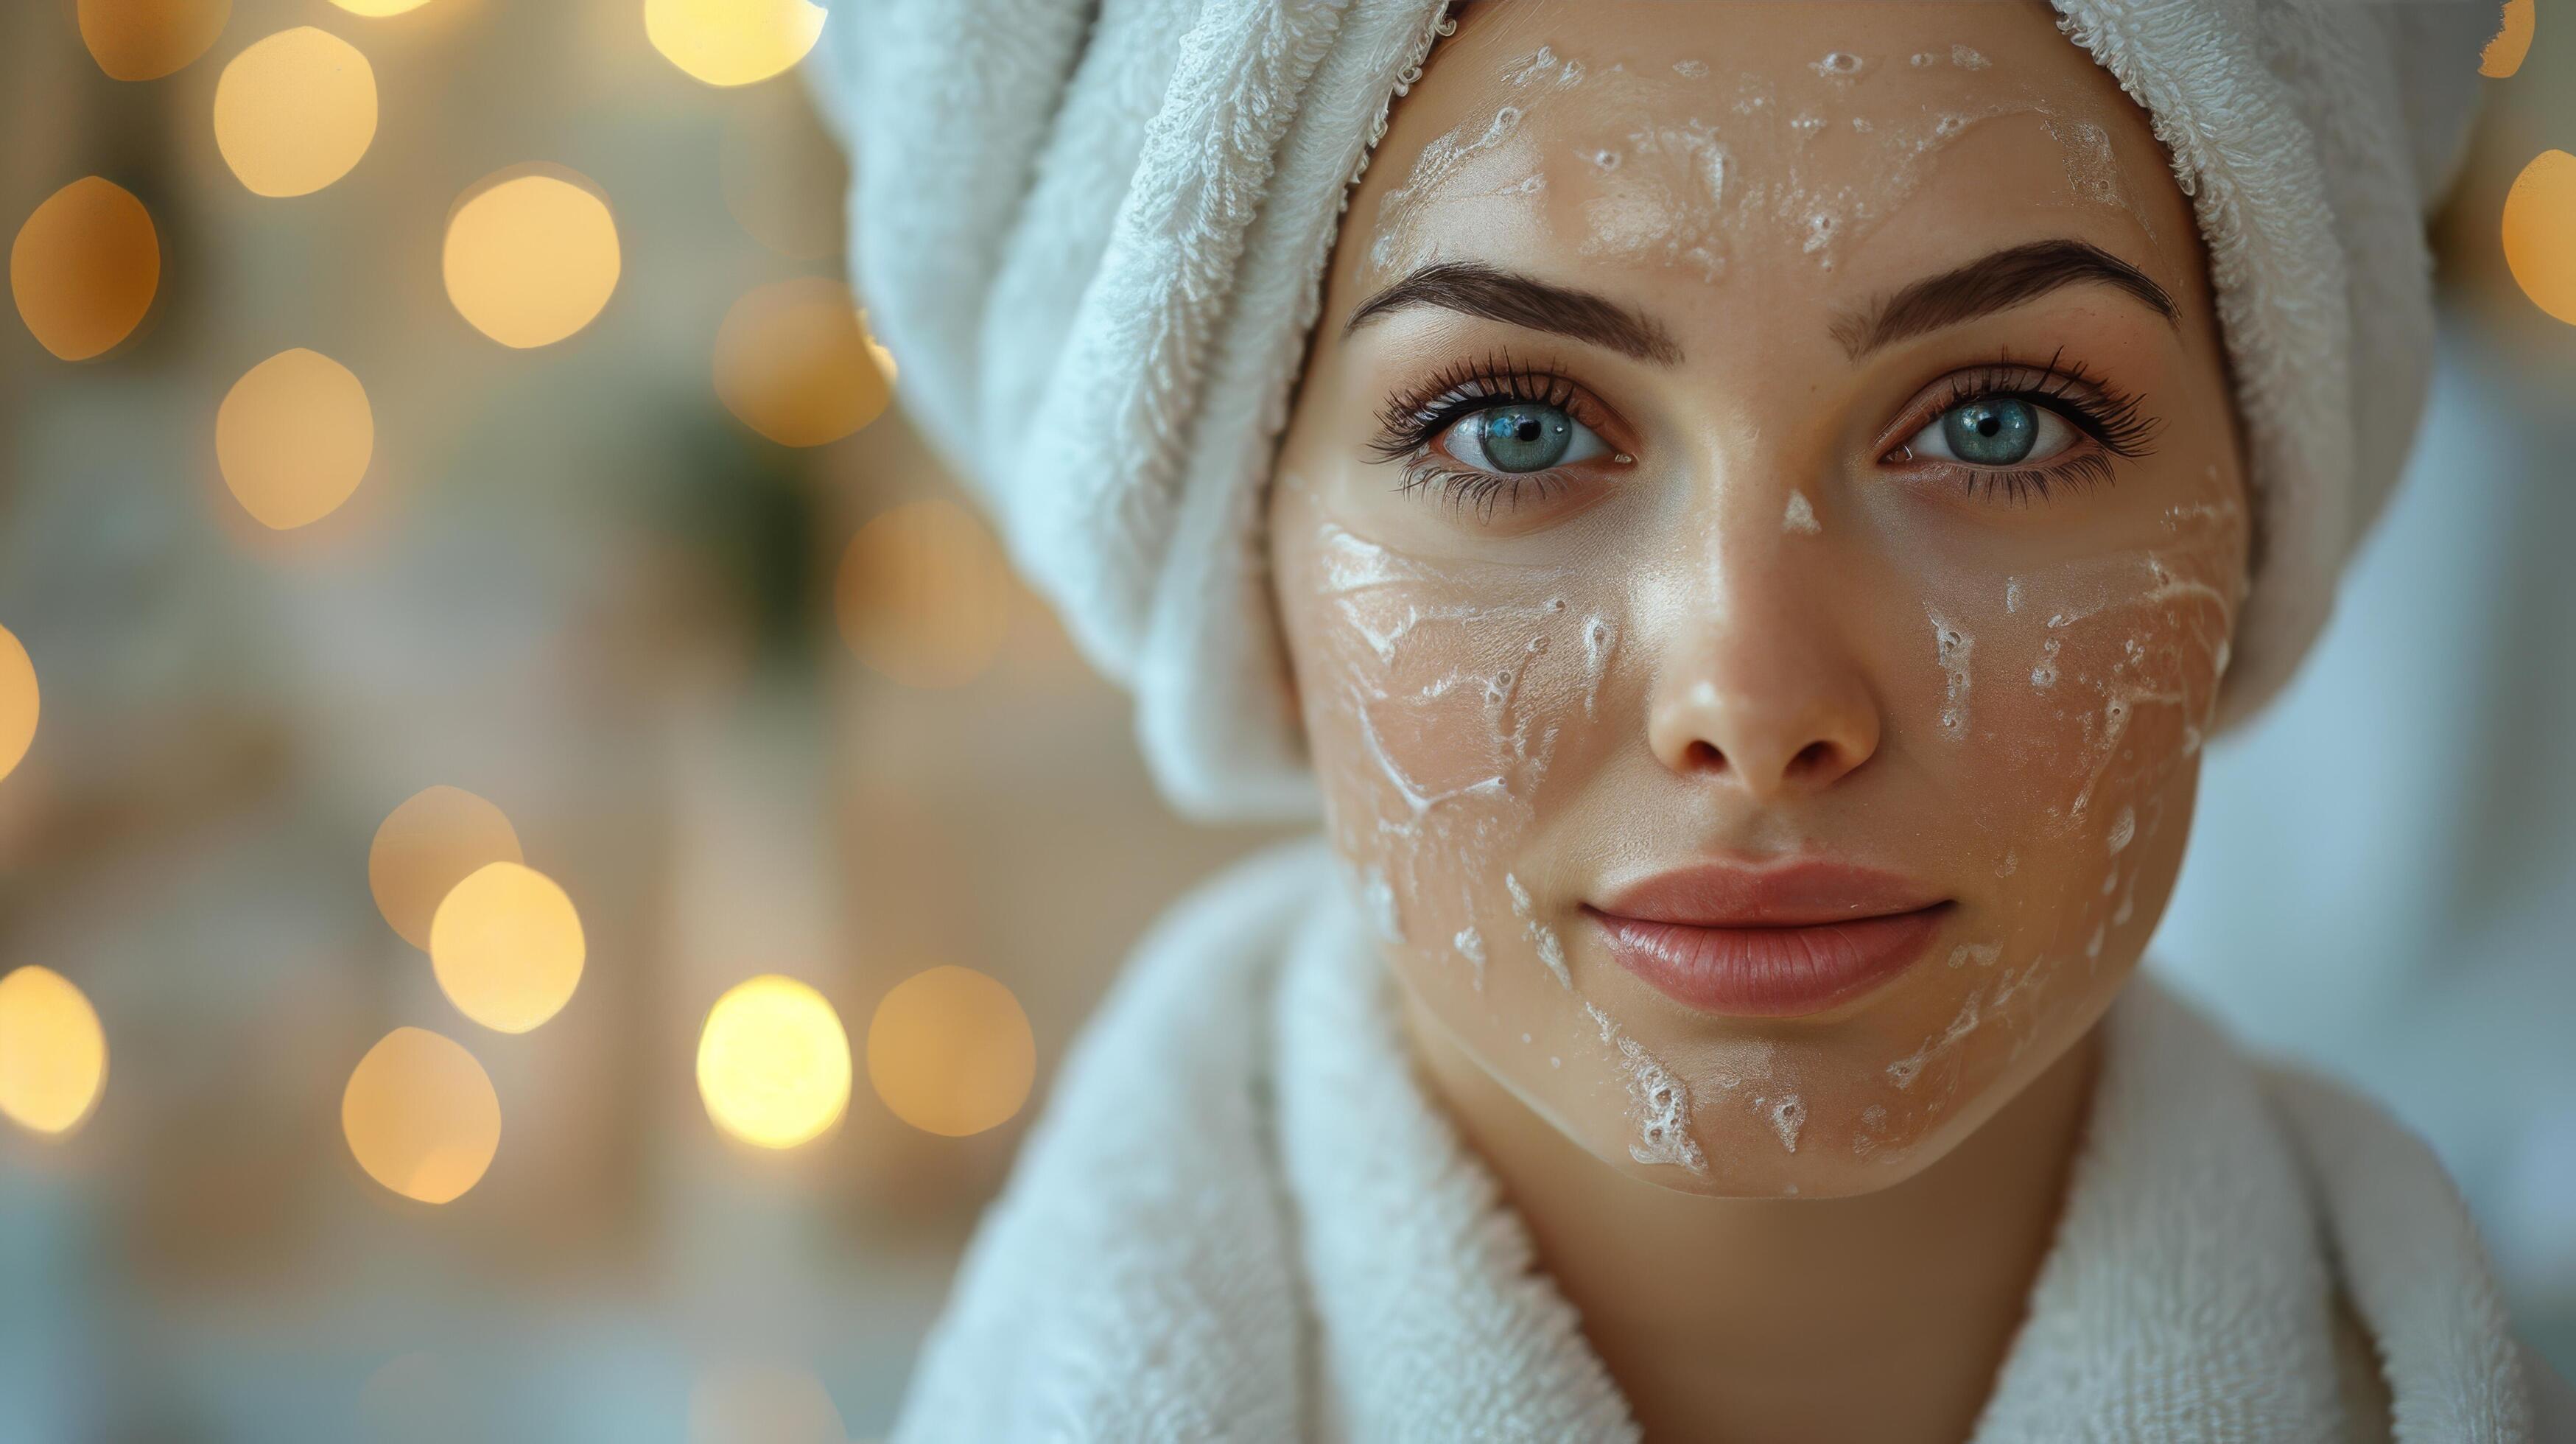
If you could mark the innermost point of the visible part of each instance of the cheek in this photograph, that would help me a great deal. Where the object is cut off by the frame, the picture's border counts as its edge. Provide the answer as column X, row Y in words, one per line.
column 1446, row 705
column 1456, row 711
column 2069, row 704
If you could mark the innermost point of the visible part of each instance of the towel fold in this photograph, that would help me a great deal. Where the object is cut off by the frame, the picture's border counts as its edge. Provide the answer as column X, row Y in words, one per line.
column 1241, row 1218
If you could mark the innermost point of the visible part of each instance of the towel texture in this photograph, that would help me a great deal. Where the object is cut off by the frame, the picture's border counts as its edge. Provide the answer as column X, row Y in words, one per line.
column 1095, row 234
column 1241, row 1218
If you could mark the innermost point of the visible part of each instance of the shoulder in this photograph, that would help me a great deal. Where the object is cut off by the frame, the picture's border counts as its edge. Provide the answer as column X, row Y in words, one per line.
column 1133, row 1280
column 2416, row 1296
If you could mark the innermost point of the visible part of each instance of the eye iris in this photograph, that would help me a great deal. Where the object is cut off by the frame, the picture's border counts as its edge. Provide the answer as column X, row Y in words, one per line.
column 1525, row 438
column 1993, row 431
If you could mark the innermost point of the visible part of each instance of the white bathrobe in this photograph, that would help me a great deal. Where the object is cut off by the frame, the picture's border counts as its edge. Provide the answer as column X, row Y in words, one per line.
column 1241, row 1218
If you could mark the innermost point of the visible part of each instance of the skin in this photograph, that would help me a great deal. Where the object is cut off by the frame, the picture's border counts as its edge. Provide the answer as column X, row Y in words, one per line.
column 1748, row 626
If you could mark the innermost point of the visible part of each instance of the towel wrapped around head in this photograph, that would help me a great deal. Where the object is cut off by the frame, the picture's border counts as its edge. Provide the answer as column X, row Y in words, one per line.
column 1095, row 234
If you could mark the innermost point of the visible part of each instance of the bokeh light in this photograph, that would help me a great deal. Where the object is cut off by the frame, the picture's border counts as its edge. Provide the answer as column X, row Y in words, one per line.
column 762, row 1404
column 437, row 838
column 295, row 111
column 2503, row 55
column 951, row 1053
column 379, row 7
column 421, row 1116
column 293, row 438
column 147, row 39
column 507, row 947
column 924, row 594
column 19, row 702
column 530, row 260
column 53, row 1054
column 732, row 42
column 2540, row 233
column 774, row 1062
column 84, row 268
column 794, row 363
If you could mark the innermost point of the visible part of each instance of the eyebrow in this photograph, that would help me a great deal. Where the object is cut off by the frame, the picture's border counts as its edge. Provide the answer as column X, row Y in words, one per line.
column 1473, row 288
column 1993, row 283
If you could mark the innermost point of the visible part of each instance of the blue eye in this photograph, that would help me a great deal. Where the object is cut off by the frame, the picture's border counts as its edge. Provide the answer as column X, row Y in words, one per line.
column 1994, row 431
column 1522, row 436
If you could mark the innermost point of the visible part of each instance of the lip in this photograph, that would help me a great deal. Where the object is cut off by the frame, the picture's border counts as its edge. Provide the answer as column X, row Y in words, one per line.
column 1774, row 942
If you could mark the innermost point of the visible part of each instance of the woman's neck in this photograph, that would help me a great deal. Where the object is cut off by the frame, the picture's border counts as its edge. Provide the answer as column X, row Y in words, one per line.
column 1883, row 1316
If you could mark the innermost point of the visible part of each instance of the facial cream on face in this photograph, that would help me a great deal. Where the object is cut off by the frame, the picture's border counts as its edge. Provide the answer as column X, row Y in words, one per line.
column 1519, row 706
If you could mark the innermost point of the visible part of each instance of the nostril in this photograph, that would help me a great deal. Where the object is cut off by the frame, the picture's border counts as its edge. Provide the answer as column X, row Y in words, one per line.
column 1702, row 755
column 1814, row 757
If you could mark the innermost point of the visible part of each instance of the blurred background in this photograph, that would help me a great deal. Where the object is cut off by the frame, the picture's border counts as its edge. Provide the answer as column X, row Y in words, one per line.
column 545, row 861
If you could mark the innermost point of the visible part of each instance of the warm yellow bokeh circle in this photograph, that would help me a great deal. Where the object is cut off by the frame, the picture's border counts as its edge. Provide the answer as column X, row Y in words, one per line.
column 295, row 111
column 2540, row 233
column 424, row 848
column 53, row 1053
column 378, row 7
column 794, row 363
column 774, row 1062
column 950, row 1051
column 507, row 947
column 20, row 701
column 531, row 260
column 733, row 42
column 924, row 594
column 84, row 267
column 147, row 39
column 293, row 438
column 420, row 1115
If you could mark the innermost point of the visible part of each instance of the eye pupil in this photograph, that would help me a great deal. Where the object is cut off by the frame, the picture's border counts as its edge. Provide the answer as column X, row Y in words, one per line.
column 1526, row 437
column 1991, row 431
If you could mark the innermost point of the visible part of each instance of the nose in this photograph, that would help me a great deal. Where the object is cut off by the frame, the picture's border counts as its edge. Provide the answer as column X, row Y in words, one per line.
column 1757, row 690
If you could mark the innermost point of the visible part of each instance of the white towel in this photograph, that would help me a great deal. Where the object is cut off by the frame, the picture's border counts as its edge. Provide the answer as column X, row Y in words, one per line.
column 1094, row 233
column 1240, row 1218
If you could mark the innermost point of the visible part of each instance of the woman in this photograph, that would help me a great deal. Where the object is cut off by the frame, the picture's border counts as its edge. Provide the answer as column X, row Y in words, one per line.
column 1739, row 519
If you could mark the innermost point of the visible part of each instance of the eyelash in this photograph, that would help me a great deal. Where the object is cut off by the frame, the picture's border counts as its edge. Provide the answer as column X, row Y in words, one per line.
column 1414, row 418
column 2111, row 417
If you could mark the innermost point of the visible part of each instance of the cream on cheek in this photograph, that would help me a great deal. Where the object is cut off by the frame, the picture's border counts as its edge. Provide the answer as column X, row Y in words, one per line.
column 1451, row 703
column 2070, row 700
column 1444, row 691
column 1458, row 708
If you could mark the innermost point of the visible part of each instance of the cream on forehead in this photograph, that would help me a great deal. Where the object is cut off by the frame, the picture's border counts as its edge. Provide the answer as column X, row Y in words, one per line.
column 1681, row 165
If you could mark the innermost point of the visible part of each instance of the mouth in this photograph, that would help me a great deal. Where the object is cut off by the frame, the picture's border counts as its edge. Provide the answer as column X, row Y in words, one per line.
column 1776, row 942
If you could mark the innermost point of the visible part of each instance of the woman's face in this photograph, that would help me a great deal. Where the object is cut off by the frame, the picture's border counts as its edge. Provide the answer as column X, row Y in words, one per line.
column 1757, row 540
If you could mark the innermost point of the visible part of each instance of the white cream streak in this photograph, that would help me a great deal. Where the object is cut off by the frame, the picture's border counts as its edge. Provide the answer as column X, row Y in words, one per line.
column 1952, row 648
column 1600, row 636
column 1801, row 516
column 1416, row 801
column 1471, row 946
column 1788, row 1119
column 1550, row 950
column 1662, row 1102
column 1910, row 1067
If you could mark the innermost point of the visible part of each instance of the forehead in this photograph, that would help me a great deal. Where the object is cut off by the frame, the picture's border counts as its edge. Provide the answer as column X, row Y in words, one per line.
column 1820, row 146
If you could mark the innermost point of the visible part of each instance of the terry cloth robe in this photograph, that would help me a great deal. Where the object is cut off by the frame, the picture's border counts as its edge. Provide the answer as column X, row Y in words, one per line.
column 1240, row 1217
